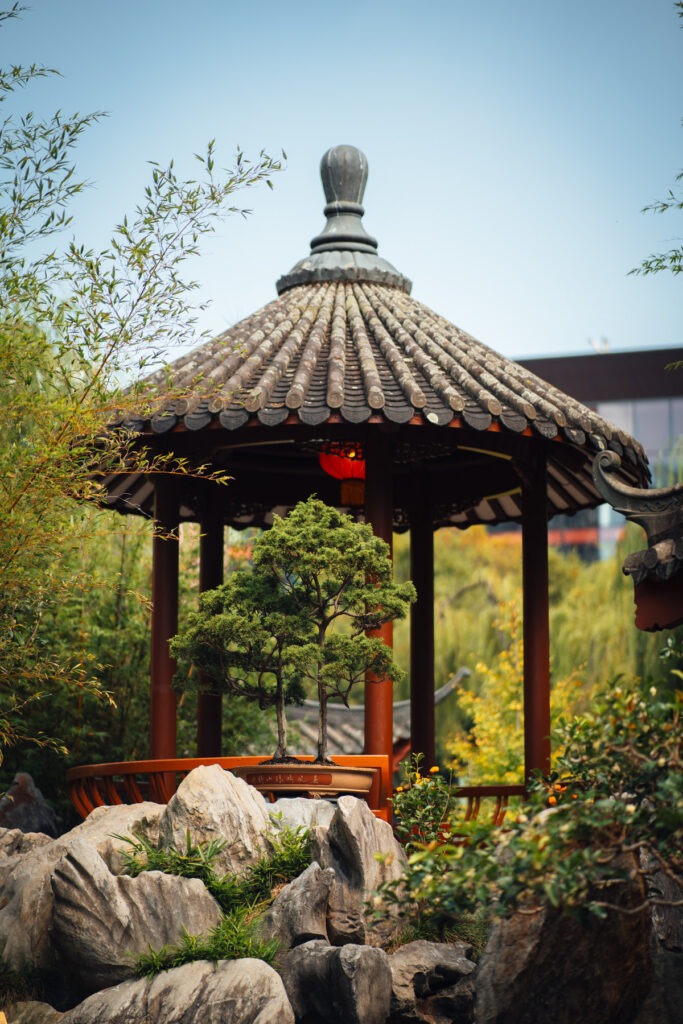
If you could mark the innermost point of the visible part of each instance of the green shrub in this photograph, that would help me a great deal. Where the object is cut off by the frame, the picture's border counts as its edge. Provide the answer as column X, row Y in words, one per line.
column 241, row 899
column 591, row 837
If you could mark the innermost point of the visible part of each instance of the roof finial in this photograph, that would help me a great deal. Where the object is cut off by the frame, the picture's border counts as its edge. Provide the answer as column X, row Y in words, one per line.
column 344, row 173
column 343, row 251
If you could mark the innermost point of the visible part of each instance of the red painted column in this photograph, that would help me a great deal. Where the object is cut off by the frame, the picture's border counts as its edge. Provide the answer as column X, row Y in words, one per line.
column 422, row 727
column 379, row 693
column 164, row 619
column 536, row 620
column 209, row 705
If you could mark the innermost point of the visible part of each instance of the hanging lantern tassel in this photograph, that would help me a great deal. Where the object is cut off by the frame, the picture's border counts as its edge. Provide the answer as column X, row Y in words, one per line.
column 346, row 463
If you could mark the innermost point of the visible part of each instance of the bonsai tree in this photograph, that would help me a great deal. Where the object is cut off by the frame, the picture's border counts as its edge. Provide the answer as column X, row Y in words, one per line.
column 299, row 616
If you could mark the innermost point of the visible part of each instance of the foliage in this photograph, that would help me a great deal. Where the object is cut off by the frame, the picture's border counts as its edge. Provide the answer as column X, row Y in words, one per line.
column 232, row 939
column 476, row 574
column 491, row 748
column 240, row 898
column 74, row 324
column 594, row 836
column 424, row 804
column 287, row 857
column 318, row 582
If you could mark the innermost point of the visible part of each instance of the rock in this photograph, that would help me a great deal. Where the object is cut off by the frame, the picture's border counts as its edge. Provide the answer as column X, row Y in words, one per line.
column 548, row 968
column 211, row 803
column 104, row 825
column 32, row 1012
column 300, row 812
column 298, row 914
column 331, row 985
column 664, row 1002
column 432, row 981
column 26, row 899
column 24, row 807
column 238, row 991
column 101, row 921
column 351, row 845
column 14, row 842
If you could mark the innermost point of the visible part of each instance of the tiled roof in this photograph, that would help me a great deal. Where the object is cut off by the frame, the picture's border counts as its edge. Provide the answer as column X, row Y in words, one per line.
column 345, row 345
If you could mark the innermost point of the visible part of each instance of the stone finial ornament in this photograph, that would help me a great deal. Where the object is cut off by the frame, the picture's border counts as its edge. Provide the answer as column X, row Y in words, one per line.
column 344, row 174
column 343, row 251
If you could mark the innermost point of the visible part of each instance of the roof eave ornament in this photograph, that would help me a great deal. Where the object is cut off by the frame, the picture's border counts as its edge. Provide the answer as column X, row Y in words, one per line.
column 655, row 570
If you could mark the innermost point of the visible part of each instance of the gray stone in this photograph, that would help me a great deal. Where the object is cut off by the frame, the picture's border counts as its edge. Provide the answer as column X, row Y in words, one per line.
column 552, row 968
column 298, row 914
column 32, row 1012
column 101, row 922
column 211, row 803
column 13, row 843
column 26, row 899
column 24, row 807
column 664, row 1002
column 364, row 853
column 432, row 981
column 331, row 985
column 300, row 812
column 234, row 991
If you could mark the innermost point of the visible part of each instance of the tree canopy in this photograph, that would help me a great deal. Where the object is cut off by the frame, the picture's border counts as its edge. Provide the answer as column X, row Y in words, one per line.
column 78, row 329
column 300, row 616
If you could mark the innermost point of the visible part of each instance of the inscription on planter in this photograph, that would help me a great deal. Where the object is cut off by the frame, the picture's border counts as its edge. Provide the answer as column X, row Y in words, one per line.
column 289, row 778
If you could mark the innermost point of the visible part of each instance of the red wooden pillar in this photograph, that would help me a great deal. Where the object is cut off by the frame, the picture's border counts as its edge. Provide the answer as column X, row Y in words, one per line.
column 209, row 705
column 379, row 693
column 164, row 619
column 536, row 629
column 422, row 624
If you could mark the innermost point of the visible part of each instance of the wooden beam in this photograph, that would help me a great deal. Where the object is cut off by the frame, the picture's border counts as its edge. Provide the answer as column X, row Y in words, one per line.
column 422, row 728
column 209, row 705
column 379, row 697
column 536, row 627
column 164, row 619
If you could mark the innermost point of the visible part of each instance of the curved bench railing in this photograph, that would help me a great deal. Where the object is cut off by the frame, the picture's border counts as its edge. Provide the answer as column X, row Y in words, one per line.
column 129, row 782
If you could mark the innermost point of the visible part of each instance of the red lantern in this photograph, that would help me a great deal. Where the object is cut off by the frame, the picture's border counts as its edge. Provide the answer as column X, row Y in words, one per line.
column 345, row 462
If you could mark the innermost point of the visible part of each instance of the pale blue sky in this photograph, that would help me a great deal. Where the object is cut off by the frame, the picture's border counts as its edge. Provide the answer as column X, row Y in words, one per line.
column 511, row 145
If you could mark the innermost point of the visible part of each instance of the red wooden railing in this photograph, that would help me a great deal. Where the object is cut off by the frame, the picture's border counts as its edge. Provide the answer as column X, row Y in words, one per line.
column 129, row 782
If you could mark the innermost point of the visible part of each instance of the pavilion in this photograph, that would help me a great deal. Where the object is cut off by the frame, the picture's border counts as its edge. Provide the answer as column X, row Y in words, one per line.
column 346, row 373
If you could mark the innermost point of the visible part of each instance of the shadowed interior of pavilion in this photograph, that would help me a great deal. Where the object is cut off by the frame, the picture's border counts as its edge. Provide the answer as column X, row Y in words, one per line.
column 450, row 434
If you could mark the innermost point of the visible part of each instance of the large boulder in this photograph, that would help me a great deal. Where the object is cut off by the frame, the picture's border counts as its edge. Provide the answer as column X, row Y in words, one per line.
column 363, row 852
column 24, row 807
column 211, row 803
column 31, row 1012
column 26, row 900
column 299, row 913
column 433, row 982
column 301, row 812
column 664, row 1002
column 239, row 991
column 102, row 922
column 330, row 985
column 552, row 968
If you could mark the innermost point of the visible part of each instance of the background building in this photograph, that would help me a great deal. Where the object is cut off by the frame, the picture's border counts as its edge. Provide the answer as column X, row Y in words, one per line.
column 636, row 392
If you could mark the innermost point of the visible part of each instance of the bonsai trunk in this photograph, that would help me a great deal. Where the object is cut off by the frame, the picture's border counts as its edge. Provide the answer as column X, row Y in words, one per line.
column 281, row 749
column 322, row 757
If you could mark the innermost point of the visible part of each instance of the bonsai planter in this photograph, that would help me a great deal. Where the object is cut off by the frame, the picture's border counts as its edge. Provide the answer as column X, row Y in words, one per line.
column 307, row 779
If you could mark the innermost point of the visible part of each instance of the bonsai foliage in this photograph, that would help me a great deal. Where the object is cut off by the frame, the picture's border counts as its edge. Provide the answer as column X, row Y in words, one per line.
column 299, row 617
column 240, row 639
